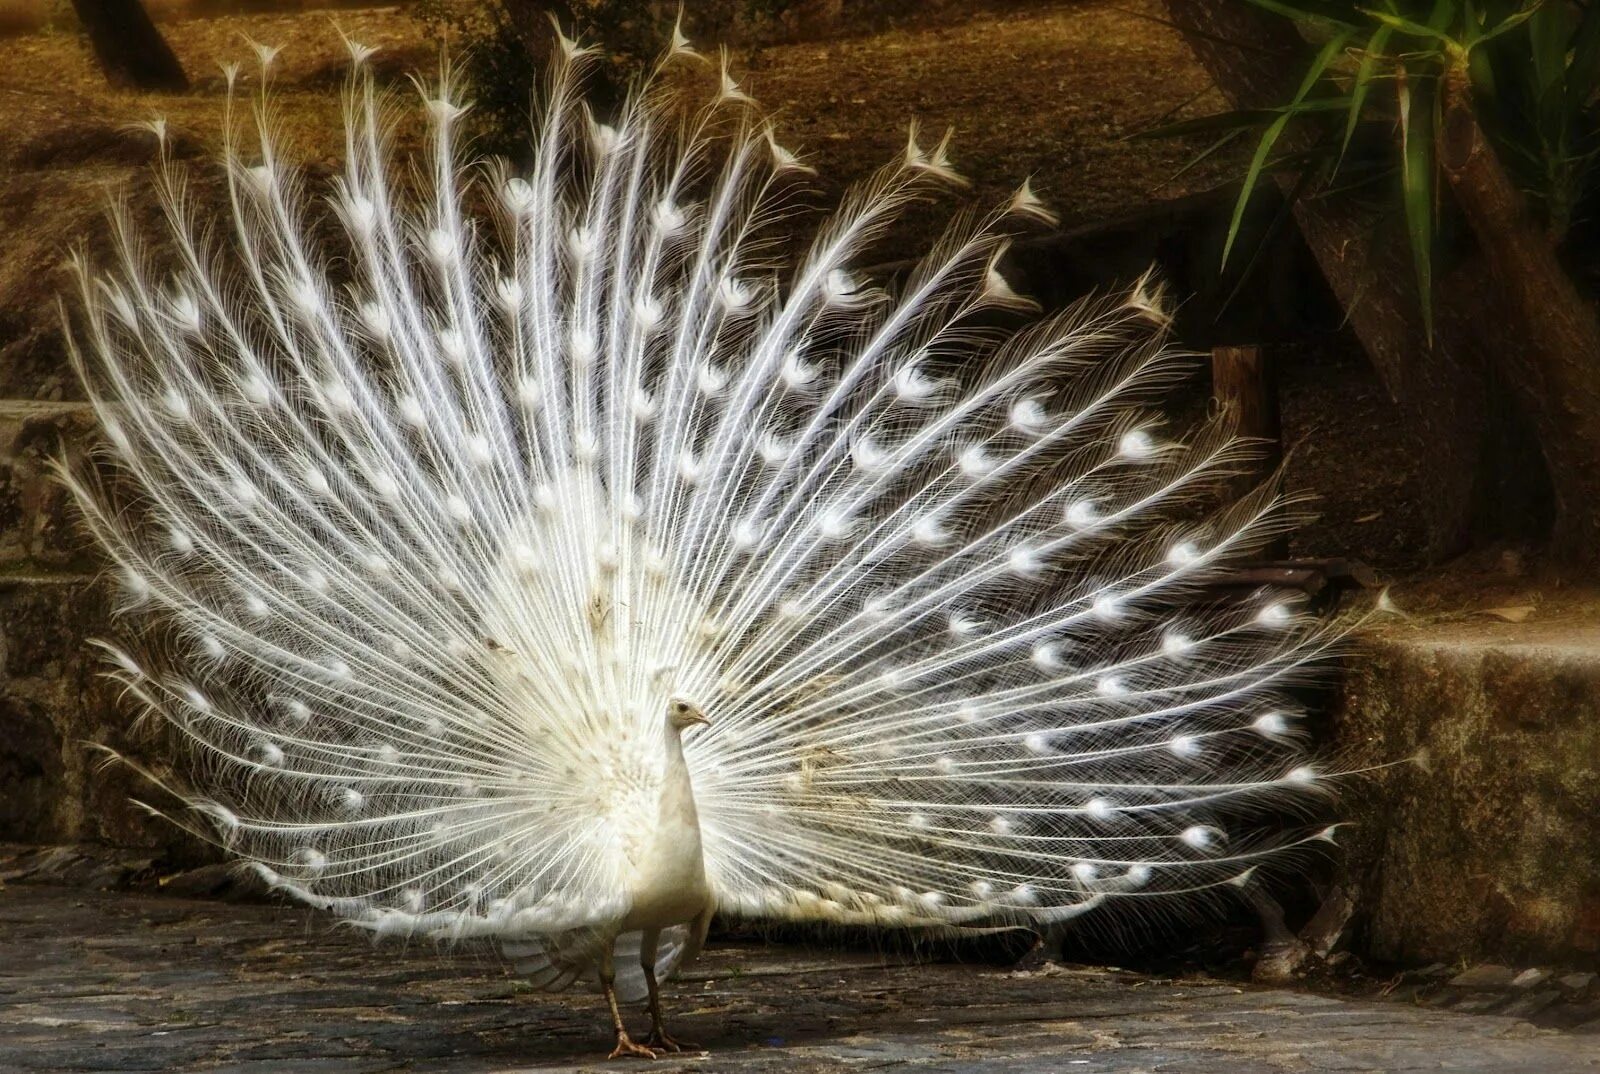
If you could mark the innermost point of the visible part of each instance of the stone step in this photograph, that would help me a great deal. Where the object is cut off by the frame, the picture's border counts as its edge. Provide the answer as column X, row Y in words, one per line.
column 1492, row 850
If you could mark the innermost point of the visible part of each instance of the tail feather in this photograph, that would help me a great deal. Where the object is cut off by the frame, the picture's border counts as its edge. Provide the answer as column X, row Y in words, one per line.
column 557, row 963
column 443, row 493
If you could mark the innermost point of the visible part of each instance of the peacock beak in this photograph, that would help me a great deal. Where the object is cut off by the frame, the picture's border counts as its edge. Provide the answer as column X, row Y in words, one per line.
column 696, row 717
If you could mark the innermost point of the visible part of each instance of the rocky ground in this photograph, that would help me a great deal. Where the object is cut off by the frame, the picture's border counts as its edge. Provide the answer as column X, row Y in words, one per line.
column 97, row 981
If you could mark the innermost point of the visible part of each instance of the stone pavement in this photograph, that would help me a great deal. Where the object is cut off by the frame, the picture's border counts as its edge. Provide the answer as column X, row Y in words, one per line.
column 97, row 981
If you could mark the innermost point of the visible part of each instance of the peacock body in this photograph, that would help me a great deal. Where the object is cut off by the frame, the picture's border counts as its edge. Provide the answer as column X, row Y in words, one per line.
column 540, row 557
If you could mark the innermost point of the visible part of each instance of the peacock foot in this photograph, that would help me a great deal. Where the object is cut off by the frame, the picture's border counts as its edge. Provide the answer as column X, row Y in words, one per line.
column 627, row 1049
column 662, row 1041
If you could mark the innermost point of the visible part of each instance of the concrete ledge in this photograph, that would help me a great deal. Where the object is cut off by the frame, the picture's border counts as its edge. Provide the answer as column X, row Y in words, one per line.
column 1495, row 851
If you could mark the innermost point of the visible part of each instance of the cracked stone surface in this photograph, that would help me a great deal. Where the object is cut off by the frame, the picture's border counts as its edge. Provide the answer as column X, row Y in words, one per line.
column 1493, row 852
column 101, row 981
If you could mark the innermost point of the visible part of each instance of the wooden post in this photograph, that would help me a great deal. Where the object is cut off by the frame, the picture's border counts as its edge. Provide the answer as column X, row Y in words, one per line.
column 1243, row 380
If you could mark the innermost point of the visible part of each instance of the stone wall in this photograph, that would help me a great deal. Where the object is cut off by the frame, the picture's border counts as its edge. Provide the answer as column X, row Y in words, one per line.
column 54, row 705
column 1492, row 850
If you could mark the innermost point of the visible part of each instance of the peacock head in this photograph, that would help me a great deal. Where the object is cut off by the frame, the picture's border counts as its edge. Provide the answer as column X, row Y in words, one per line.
column 682, row 714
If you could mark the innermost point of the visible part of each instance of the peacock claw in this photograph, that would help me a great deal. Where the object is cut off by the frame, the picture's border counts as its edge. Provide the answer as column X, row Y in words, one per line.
column 662, row 1041
column 627, row 1049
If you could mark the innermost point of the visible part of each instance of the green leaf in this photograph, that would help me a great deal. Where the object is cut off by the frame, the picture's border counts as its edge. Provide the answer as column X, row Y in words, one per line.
column 1280, row 220
column 1407, row 26
column 1547, row 43
column 1412, row 29
column 1241, row 118
column 1311, row 11
column 1485, row 83
column 1269, row 138
column 1443, row 14
column 1583, row 70
column 1363, row 83
column 1472, row 23
column 1251, row 177
column 1416, row 175
column 1201, row 157
column 1510, row 22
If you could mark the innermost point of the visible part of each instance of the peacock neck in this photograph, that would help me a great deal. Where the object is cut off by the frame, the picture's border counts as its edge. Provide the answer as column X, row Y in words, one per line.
column 669, row 886
column 677, row 788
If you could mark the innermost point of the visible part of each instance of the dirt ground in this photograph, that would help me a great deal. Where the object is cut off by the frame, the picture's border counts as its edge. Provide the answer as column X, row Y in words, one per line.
column 1048, row 90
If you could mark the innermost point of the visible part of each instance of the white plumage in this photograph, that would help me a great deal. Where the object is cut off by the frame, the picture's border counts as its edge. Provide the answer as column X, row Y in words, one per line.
column 451, row 519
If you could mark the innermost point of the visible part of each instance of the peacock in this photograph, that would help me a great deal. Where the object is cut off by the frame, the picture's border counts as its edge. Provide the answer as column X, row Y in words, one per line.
column 555, row 556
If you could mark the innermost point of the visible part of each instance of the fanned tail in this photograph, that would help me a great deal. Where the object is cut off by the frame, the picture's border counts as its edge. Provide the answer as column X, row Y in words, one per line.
column 438, row 508
column 977, row 673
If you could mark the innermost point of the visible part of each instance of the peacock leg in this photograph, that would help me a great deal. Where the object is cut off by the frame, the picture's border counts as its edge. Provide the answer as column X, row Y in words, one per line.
column 625, row 1048
column 660, row 1039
